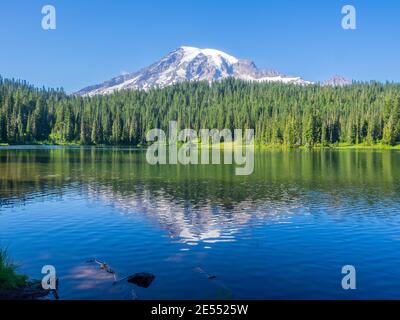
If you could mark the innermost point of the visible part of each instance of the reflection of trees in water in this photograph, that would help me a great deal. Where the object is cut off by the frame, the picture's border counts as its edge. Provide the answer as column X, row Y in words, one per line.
column 200, row 203
column 278, row 176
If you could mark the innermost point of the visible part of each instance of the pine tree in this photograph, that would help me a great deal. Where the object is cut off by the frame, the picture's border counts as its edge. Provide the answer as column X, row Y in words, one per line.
column 280, row 114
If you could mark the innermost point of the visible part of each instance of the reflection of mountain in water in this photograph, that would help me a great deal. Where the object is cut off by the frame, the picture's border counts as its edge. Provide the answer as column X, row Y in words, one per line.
column 201, row 203
column 189, row 223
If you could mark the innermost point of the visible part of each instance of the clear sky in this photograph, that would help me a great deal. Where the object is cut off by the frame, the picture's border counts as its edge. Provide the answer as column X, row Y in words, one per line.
column 97, row 40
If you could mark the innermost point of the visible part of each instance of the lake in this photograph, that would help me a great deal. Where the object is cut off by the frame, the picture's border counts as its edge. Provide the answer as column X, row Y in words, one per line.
column 284, row 232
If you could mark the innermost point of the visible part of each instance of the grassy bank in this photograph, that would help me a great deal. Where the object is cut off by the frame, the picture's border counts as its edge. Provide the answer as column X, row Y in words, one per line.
column 339, row 146
column 226, row 145
column 378, row 146
column 9, row 278
column 15, row 286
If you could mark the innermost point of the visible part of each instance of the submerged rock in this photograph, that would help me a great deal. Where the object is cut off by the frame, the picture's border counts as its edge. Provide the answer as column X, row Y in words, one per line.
column 142, row 279
column 209, row 276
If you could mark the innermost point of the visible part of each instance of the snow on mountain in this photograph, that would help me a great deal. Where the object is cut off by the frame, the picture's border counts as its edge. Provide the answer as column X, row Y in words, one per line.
column 337, row 81
column 190, row 64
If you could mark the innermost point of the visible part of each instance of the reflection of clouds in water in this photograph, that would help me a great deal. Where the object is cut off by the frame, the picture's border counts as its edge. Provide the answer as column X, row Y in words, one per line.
column 88, row 277
column 179, row 257
column 194, row 224
column 90, row 280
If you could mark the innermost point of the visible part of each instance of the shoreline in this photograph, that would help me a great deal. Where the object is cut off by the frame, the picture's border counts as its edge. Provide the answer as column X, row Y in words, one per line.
column 257, row 146
column 17, row 286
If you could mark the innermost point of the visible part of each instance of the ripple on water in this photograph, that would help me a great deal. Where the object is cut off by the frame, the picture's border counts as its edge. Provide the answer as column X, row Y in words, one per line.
column 284, row 232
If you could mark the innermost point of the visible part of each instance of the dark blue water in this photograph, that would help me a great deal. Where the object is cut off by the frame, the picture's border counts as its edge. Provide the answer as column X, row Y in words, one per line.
column 284, row 232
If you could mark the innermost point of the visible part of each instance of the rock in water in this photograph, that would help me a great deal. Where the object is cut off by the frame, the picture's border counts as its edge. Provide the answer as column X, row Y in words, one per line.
column 143, row 279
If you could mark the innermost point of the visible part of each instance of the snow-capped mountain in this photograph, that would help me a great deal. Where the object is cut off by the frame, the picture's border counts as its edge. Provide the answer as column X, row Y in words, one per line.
column 337, row 81
column 190, row 64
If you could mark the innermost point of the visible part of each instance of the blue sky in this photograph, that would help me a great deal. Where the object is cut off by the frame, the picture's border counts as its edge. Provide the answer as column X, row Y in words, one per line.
column 96, row 40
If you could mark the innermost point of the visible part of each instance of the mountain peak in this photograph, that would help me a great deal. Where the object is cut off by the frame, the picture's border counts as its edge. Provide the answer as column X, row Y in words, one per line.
column 190, row 64
column 337, row 81
column 214, row 55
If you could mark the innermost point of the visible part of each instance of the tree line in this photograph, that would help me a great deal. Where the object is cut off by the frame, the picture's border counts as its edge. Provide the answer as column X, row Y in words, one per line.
column 281, row 114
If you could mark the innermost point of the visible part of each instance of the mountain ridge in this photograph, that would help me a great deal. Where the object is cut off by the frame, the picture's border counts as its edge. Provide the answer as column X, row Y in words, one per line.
column 193, row 64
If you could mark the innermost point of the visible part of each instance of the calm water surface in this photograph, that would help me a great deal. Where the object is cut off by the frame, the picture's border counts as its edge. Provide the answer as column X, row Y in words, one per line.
column 282, row 233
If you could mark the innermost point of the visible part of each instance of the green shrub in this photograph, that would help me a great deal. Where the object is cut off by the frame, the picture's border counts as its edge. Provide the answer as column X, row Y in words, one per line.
column 9, row 279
